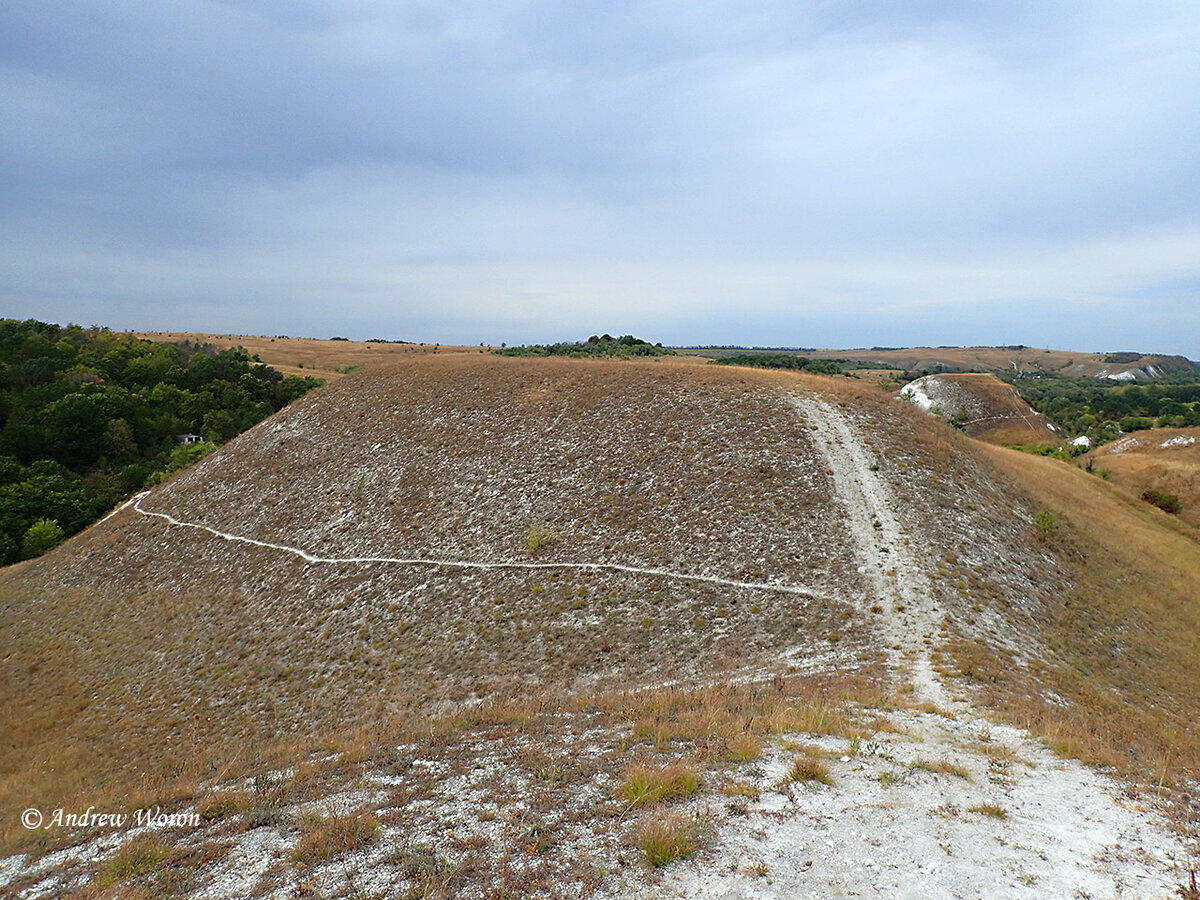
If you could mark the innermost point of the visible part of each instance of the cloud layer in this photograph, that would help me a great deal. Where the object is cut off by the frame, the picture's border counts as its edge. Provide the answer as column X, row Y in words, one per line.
column 696, row 172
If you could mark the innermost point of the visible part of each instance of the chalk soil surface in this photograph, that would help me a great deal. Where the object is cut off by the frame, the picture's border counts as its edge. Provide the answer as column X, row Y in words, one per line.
column 948, row 805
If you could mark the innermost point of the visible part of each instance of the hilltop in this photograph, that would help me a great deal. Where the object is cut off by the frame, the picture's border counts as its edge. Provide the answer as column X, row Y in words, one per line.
column 984, row 407
column 463, row 624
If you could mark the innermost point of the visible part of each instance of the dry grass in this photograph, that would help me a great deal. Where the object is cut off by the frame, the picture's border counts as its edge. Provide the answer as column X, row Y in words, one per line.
column 941, row 766
column 1171, row 470
column 323, row 838
column 647, row 785
column 961, row 359
column 807, row 768
column 990, row 810
column 312, row 356
column 663, row 839
column 992, row 410
column 135, row 857
column 189, row 657
column 222, row 804
column 1124, row 644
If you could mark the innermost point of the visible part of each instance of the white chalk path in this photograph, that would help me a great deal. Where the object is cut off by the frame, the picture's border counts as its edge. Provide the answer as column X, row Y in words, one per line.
column 774, row 587
column 898, row 580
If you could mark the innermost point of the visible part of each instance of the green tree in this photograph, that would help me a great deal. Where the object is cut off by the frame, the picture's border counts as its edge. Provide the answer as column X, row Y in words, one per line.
column 41, row 536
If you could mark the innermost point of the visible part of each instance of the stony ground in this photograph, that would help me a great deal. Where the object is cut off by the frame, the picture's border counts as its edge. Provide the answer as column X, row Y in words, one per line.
column 747, row 578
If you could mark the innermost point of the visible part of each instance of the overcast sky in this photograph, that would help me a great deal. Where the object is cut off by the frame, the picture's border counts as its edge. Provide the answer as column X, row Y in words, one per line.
column 785, row 173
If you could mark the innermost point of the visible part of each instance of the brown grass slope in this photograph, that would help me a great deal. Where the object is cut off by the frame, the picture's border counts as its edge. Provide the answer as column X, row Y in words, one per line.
column 142, row 659
column 1162, row 459
column 1003, row 359
column 139, row 646
column 1120, row 683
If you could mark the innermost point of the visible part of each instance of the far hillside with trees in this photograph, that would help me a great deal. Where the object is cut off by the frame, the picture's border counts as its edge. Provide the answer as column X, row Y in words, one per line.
column 89, row 417
column 1103, row 410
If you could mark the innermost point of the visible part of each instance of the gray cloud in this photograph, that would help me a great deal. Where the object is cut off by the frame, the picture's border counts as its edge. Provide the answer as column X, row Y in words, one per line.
column 713, row 172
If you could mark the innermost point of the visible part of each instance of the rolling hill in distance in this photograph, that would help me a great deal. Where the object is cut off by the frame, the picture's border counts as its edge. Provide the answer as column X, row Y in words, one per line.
column 458, row 624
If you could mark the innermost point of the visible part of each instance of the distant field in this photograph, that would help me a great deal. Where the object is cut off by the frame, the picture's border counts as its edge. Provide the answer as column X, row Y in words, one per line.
column 961, row 359
column 325, row 358
column 311, row 356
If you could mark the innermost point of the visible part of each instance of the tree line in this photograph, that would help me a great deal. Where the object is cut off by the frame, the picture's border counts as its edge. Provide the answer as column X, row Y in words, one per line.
column 89, row 416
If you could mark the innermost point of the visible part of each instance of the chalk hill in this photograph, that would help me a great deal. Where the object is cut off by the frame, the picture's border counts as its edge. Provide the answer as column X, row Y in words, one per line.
column 516, row 580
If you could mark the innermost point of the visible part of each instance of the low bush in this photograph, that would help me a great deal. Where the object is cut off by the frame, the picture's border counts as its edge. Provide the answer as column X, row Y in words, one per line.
column 1045, row 526
column 537, row 538
column 1166, row 502
column 42, row 535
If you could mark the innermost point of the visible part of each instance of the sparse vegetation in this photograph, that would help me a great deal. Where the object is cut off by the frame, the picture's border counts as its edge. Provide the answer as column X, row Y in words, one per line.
column 808, row 768
column 323, row 838
column 990, row 810
column 526, row 689
column 1045, row 526
column 135, row 857
column 942, row 767
column 221, row 804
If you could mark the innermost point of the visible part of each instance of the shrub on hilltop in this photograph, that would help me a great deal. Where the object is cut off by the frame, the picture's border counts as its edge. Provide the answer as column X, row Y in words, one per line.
column 604, row 345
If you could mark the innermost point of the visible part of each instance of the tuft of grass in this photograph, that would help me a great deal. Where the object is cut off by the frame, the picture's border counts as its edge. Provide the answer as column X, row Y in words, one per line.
column 135, row 857
column 741, row 789
column 326, row 838
column 807, row 769
column 538, row 538
column 1045, row 526
column 743, row 747
column 991, row 810
column 224, row 803
column 664, row 839
column 646, row 785
column 941, row 766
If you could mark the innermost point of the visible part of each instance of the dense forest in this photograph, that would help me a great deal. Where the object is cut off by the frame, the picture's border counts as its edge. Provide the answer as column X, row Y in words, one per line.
column 89, row 416
column 604, row 345
column 1103, row 410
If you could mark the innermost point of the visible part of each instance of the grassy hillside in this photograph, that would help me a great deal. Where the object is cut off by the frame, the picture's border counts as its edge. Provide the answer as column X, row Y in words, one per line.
column 552, row 580
column 1120, row 681
column 218, row 646
column 984, row 407
column 1164, row 460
